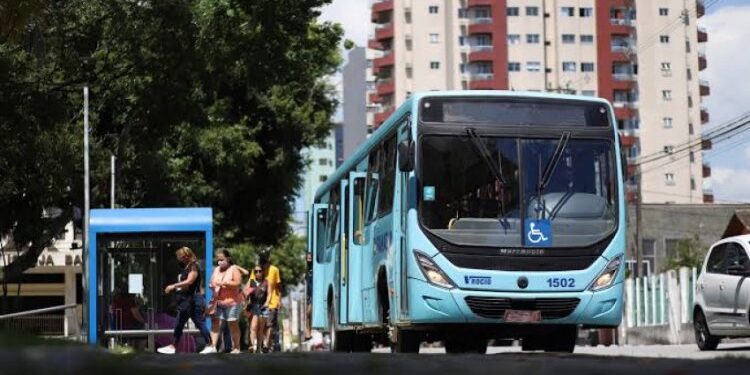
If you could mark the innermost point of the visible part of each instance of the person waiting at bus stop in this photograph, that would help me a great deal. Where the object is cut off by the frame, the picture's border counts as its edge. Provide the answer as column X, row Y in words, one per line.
column 273, row 299
column 225, row 283
column 257, row 290
column 190, row 302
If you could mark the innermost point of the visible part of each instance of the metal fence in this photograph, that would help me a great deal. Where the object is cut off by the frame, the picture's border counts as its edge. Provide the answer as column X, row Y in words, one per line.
column 660, row 299
column 41, row 325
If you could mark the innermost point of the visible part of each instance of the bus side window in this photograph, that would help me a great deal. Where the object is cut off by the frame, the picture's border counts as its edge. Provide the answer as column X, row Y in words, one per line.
column 320, row 236
column 372, row 184
column 387, row 177
column 358, row 214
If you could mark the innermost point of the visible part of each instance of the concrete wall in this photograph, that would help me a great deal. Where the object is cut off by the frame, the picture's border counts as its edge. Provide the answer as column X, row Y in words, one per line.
column 663, row 222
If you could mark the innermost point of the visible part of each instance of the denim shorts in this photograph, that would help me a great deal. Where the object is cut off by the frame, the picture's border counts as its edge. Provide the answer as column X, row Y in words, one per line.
column 230, row 313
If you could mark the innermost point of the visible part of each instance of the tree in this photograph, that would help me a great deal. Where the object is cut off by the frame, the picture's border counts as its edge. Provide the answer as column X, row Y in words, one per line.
column 688, row 253
column 204, row 103
column 288, row 255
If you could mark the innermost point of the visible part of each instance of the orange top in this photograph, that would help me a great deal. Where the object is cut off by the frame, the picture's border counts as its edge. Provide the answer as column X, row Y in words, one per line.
column 227, row 295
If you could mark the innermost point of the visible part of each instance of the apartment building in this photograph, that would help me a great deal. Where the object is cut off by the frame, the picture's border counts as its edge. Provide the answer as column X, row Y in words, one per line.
column 645, row 56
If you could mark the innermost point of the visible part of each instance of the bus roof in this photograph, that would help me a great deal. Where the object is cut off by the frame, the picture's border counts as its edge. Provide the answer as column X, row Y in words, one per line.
column 390, row 124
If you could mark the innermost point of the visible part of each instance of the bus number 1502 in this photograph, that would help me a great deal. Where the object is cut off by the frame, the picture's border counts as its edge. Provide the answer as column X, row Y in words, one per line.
column 555, row 282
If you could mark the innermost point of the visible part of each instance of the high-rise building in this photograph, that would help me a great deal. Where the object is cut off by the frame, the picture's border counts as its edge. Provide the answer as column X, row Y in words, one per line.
column 647, row 66
column 354, row 79
column 321, row 160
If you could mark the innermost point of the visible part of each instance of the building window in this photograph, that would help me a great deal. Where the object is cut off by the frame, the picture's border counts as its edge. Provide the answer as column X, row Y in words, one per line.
column 463, row 13
column 666, row 95
column 322, row 161
column 569, row 66
column 690, row 101
column 668, row 149
column 669, row 178
column 586, row 12
column 692, row 156
column 663, row 11
column 692, row 183
column 568, row 38
column 532, row 11
column 484, row 12
column 689, row 74
column 483, row 40
column 514, row 67
column 533, row 66
column 323, row 178
column 587, row 39
column 588, row 93
column 434, row 65
column 433, row 9
column 511, row 11
column 687, row 46
column 407, row 17
column 532, row 38
column 664, row 39
column 691, row 130
column 587, row 67
column 407, row 43
column 514, row 38
column 667, row 121
column 567, row 12
column 434, row 38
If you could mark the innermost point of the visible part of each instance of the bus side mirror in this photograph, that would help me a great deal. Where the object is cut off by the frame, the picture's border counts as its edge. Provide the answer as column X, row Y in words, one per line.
column 406, row 156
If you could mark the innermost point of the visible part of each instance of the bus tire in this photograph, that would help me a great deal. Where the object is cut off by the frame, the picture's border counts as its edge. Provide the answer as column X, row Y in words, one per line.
column 340, row 340
column 465, row 344
column 406, row 341
column 562, row 341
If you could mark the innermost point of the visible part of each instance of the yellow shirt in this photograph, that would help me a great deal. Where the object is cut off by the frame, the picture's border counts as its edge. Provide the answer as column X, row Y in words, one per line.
column 274, row 286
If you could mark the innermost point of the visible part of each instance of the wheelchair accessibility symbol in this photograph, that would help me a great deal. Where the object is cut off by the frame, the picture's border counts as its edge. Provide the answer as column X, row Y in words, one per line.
column 539, row 233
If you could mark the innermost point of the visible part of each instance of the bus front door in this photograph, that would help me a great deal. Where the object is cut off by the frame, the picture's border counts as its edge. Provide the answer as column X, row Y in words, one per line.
column 343, row 258
column 321, row 264
column 357, row 264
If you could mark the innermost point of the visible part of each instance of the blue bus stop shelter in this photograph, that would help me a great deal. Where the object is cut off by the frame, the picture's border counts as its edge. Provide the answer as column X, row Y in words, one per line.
column 131, row 258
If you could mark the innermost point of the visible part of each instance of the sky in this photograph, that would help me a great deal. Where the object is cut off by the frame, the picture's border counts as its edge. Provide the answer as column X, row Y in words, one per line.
column 728, row 56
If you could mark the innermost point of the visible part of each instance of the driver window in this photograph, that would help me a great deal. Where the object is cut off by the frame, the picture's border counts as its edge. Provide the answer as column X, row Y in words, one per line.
column 715, row 262
column 735, row 255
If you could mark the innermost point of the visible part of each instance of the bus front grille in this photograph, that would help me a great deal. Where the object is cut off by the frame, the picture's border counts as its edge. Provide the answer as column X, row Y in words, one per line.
column 494, row 308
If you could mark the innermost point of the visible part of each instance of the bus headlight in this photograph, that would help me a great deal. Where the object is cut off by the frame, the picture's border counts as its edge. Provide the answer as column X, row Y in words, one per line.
column 607, row 277
column 432, row 272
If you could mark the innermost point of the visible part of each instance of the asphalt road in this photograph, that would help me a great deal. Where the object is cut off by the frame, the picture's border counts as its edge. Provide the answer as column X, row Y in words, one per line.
column 83, row 360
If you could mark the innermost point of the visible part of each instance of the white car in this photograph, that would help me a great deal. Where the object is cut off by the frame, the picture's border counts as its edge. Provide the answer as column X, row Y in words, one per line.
column 722, row 298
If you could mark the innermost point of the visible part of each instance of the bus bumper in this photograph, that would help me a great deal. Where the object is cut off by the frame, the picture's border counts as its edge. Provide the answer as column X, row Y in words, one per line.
column 431, row 304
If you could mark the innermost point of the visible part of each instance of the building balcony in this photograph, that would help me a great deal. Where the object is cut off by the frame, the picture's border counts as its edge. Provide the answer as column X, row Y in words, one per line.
column 622, row 26
column 480, row 20
column 381, row 6
column 704, row 116
column 700, row 8
column 626, row 49
column 480, row 53
column 625, row 104
column 702, row 35
column 479, row 3
column 624, row 77
column 383, row 62
column 481, row 81
column 706, row 170
column 704, row 87
column 480, row 28
column 708, row 196
column 374, row 98
column 384, row 31
column 385, row 86
column 380, row 117
column 627, row 140
column 702, row 63
column 625, row 112
column 374, row 44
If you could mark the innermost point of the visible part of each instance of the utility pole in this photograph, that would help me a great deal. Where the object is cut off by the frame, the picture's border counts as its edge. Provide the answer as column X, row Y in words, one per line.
column 638, row 227
column 86, row 199
column 112, row 182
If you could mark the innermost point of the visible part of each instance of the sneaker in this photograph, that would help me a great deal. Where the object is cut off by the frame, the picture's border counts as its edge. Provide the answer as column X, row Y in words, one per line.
column 208, row 350
column 235, row 351
column 166, row 350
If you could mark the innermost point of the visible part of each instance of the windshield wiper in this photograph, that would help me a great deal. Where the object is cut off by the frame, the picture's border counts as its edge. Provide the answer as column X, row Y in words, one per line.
column 549, row 169
column 495, row 169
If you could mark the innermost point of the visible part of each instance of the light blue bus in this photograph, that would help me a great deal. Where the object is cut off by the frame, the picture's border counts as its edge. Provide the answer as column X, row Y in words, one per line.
column 469, row 216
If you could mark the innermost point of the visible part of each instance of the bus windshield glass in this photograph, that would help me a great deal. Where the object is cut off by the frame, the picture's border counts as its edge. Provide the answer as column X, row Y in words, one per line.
column 469, row 200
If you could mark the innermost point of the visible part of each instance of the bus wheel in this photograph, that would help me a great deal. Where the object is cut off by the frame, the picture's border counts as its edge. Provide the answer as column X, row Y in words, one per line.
column 405, row 341
column 563, row 340
column 339, row 339
column 465, row 344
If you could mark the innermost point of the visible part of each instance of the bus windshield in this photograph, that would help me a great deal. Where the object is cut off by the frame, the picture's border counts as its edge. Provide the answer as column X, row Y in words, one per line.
column 464, row 201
